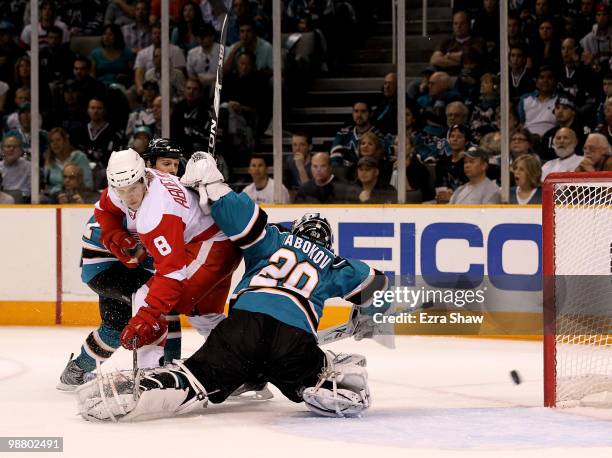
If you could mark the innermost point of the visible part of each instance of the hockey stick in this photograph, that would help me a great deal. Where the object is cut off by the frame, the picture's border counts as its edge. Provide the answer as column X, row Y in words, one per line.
column 383, row 334
column 135, row 366
column 358, row 323
column 341, row 331
column 224, row 5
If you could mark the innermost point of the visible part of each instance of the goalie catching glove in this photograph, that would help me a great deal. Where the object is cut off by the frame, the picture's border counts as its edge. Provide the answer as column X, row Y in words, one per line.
column 201, row 173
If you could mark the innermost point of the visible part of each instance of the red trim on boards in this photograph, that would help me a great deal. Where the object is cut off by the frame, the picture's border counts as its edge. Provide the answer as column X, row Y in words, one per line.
column 58, row 266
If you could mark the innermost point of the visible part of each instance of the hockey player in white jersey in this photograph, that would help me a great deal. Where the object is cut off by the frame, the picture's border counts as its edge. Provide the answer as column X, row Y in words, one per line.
column 270, row 333
column 115, row 281
column 193, row 258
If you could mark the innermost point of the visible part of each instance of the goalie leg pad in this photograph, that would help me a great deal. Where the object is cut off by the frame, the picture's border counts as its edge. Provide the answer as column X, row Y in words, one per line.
column 342, row 389
column 150, row 356
column 157, row 393
column 342, row 403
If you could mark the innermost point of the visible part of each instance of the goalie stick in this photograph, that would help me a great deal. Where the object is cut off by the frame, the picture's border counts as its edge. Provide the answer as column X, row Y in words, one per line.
column 362, row 326
column 226, row 7
column 358, row 326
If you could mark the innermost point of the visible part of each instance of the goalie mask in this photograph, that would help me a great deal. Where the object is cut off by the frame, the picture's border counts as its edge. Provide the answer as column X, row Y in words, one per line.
column 314, row 227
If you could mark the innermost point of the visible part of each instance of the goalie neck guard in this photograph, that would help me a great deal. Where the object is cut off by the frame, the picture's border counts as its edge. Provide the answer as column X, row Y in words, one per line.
column 314, row 227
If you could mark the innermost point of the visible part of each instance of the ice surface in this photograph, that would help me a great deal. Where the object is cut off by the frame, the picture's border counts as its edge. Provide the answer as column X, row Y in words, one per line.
column 432, row 397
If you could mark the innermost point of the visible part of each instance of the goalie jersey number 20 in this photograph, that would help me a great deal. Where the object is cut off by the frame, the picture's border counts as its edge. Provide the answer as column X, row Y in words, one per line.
column 287, row 276
column 285, row 270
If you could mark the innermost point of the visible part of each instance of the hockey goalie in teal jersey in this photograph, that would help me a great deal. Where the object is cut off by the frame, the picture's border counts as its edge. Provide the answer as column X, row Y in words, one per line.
column 289, row 275
column 270, row 334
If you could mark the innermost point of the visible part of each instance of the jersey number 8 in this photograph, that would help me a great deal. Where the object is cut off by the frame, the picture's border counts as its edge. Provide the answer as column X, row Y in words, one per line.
column 300, row 277
column 162, row 245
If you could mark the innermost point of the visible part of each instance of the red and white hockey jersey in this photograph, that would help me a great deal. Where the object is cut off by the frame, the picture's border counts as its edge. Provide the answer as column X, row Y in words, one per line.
column 168, row 219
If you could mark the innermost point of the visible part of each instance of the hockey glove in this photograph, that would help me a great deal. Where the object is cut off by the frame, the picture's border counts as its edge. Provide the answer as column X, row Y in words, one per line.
column 126, row 249
column 201, row 169
column 201, row 173
column 148, row 326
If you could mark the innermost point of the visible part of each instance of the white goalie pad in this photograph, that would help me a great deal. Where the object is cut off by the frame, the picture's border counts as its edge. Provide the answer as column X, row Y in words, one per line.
column 341, row 403
column 108, row 397
column 116, row 397
column 342, row 390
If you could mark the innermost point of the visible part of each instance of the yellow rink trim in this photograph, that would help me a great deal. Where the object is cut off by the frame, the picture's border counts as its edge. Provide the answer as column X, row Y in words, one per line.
column 27, row 313
column 503, row 325
column 87, row 314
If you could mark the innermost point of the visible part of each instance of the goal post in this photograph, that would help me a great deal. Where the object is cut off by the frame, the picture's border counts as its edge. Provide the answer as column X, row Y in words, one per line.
column 577, row 289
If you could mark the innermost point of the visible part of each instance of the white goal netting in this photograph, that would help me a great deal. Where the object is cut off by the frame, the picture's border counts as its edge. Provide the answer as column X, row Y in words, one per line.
column 583, row 293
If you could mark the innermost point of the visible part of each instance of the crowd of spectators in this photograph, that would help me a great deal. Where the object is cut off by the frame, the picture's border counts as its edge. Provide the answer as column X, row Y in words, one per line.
column 94, row 102
column 560, row 80
column 560, row 67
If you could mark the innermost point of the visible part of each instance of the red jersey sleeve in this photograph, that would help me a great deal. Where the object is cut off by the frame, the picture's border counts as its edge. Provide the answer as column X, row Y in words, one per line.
column 166, row 244
column 110, row 217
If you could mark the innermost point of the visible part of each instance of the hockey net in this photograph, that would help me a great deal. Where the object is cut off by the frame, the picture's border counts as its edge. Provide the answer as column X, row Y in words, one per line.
column 577, row 251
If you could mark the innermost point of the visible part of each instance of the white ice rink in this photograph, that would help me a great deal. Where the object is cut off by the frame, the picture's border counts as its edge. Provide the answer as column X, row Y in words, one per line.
column 432, row 397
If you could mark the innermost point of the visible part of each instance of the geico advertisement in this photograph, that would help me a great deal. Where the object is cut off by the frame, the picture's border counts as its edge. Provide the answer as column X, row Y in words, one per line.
column 495, row 249
column 441, row 243
column 500, row 247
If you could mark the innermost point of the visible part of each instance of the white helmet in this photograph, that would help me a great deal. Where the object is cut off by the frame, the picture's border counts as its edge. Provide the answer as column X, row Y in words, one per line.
column 124, row 168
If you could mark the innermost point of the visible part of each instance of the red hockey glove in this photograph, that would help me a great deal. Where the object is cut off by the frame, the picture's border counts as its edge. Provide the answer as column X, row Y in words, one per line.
column 127, row 249
column 147, row 326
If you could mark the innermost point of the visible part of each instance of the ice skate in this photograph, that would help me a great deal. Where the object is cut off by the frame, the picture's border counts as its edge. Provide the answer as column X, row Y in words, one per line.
column 252, row 392
column 73, row 376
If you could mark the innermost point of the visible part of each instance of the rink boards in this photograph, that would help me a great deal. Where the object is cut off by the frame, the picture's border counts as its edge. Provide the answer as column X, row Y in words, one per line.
column 498, row 246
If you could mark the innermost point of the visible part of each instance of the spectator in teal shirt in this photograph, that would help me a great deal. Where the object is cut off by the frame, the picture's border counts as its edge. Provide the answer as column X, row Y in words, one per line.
column 60, row 153
column 112, row 61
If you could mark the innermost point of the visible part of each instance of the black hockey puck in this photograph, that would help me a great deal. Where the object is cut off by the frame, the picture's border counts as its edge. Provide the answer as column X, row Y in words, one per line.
column 516, row 378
